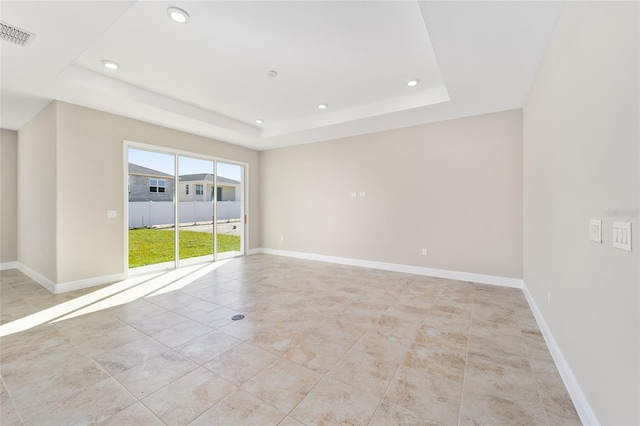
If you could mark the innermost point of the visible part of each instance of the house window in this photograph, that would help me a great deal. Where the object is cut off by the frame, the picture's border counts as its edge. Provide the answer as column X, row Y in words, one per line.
column 157, row 185
column 187, row 189
column 199, row 190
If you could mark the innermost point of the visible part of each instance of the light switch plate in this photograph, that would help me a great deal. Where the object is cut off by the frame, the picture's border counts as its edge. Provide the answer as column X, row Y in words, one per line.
column 363, row 194
column 595, row 230
column 354, row 194
column 622, row 235
column 112, row 214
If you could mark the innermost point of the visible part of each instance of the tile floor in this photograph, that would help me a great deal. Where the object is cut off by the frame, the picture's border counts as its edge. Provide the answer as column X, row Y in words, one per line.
column 320, row 344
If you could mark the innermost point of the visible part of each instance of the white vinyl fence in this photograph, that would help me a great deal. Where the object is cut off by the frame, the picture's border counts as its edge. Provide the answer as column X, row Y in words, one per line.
column 150, row 213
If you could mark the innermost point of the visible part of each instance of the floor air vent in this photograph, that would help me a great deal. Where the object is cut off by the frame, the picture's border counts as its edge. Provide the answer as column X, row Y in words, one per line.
column 15, row 35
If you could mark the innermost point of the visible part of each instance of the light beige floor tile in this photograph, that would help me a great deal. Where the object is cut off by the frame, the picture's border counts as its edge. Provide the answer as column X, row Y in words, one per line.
column 240, row 408
column 149, row 376
column 134, row 415
column 333, row 402
column 434, row 397
column 484, row 409
column 507, row 349
column 55, row 378
column 339, row 332
column 277, row 339
column 42, row 359
column 436, row 361
column 228, row 298
column 126, row 356
column 86, row 326
column 209, row 346
column 218, row 318
column 241, row 363
column 290, row 421
column 368, row 373
column 247, row 328
column 500, row 394
column 173, row 300
column 197, row 309
column 446, row 341
column 15, row 310
column 204, row 291
column 182, row 401
column 391, row 415
column 283, row 384
column 135, row 311
column 90, row 405
column 555, row 399
column 316, row 354
column 354, row 324
column 182, row 333
column 157, row 323
column 100, row 342
column 8, row 413
column 400, row 324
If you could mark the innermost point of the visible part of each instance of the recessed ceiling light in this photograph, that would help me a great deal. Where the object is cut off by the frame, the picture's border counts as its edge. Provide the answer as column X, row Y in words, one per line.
column 414, row 82
column 272, row 73
column 110, row 64
column 323, row 106
column 178, row 15
column 259, row 121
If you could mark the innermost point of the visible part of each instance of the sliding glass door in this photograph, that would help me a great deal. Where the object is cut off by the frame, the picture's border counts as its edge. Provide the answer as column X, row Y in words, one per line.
column 196, row 224
column 151, row 178
column 202, row 198
column 229, row 209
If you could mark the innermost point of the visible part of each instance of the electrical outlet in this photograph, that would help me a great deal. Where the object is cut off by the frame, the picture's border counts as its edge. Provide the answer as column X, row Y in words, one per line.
column 425, row 252
column 281, row 238
column 595, row 230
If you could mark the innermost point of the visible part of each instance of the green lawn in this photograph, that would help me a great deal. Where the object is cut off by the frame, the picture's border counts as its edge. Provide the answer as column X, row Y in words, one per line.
column 149, row 246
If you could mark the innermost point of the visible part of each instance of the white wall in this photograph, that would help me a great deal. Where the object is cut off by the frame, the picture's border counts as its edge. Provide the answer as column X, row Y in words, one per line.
column 454, row 187
column 37, row 192
column 581, row 161
column 90, row 144
column 71, row 171
column 8, row 196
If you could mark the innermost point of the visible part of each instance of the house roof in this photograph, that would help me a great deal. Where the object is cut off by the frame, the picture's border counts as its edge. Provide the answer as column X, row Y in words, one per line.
column 208, row 177
column 136, row 169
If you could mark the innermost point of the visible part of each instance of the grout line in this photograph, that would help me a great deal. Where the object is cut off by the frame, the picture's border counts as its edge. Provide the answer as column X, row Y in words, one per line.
column 13, row 404
column 526, row 348
column 404, row 359
column 466, row 355
column 299, row 289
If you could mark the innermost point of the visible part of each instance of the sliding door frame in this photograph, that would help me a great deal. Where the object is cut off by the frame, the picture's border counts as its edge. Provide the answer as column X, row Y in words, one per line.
column 244, row 206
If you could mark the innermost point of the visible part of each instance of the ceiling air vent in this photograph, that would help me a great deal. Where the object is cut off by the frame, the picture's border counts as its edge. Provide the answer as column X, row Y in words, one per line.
column 16, row 35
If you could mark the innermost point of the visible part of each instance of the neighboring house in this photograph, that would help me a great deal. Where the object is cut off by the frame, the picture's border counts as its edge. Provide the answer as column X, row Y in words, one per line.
column 199, row 187
column 146, row 184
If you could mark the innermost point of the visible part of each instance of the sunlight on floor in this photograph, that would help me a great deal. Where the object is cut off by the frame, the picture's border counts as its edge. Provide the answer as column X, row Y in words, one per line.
column 113, row 295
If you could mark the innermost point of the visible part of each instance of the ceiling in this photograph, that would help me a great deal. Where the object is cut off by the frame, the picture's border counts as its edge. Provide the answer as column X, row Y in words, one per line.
column 209, row 76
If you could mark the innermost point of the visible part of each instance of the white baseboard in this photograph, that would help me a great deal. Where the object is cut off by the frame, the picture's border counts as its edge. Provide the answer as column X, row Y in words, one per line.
column 37, row 277
column 418, row 270
column 586, row 413
column 254, row 251
column 88, row 282
column 8, row 265
column 69, row 285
